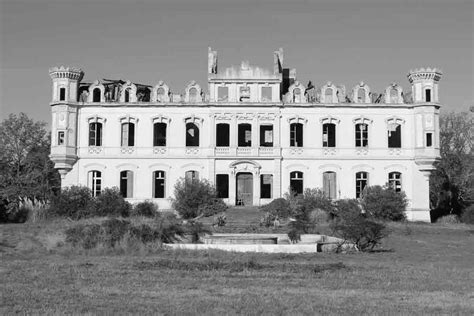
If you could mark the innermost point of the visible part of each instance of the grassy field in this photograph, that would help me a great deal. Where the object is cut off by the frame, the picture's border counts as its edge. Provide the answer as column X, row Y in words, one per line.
column 422, row 269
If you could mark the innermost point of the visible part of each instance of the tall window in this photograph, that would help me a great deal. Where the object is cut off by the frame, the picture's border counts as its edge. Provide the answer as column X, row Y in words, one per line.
column 266, row 186
column 159, row 134
column 61, row 139
column 393, row 95
column 191, row 176
column 128, row 134
column 429, row 139
column 222, row 186
column 361, row 95
column 193, row 95
column 222, row 135
column 266, row 94
column 127, row 95
column 192, row 135
column 160, row 95
column 297, row 95
column 126, row 183
column 329, row 185
column 159, row 184
column 395, row 181
column 329, row 135
column 266, row 135
column 94, row 180
column 245, row 135
column 361, row 135
column 96, row 95
column 428, row 95
column 394, row 136
column 296, row 135
column 62, row 94
column 296, row 182
column 362, row 179
column 223, row 94
column 95, row 134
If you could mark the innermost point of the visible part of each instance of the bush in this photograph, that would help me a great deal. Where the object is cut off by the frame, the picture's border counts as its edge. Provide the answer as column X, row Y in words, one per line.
column 195, row 198
column 346, row 209
column 74, row 202
column 146, row 209
column 111, row 203
column 467, row 216
column 279, row 207
column 219, row 221
column 169, row 228
column 268, row 220
column 113, row 230
column 364, row 233
column 315, row 199
column 86, row 236
column 384, row 203
column 144, row 233
column 196, row 230
column 449, row 219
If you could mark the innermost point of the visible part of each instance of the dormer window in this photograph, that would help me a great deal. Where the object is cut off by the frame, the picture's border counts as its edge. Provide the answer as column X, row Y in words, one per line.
column 127, row 96
column 328, row 95
column 96, row 95
column 244, row 94
column 222, row 94
column 266, row 94
column 361, row 95
column 160, row 94
column 297, row 95
column 62, row 94
column 193, row 95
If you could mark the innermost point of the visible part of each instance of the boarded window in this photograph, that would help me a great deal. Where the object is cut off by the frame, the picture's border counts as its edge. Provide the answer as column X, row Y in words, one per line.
column 266, row 186
column 222, row 186
column 266, row 135
column 296, row 182
column 329, row 185
column 245, row 135
column 192, row 135
column 362, row 179
column 361, row 135
column 223, row 94
column 266, row 94
column 128, row 134
column 159, row 184
column 394, row 136
column 95, row 134
column 222, row 135
column 95, row 182
column 329, row 135
column 159, row 134
column 62, row 94
column 296, row 135
column 395, row 181
column 126, row 183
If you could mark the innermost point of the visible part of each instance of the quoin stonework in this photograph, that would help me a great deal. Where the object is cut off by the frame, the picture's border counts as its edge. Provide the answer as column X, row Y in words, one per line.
column 255, row 133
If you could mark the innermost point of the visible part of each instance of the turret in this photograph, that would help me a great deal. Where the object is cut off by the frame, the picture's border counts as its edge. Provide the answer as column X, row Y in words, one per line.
column 64, row 125
column 425, row 84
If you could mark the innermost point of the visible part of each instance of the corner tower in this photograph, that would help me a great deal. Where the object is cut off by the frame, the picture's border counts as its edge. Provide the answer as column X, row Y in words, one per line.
column 425, row 84
column 64, row 117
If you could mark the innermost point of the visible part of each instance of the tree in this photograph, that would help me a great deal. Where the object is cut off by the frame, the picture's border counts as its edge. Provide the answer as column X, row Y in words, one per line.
column 452, row 183
column 25, row 168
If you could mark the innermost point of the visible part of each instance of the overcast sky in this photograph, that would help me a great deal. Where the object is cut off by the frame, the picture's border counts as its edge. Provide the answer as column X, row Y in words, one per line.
column 343, row 41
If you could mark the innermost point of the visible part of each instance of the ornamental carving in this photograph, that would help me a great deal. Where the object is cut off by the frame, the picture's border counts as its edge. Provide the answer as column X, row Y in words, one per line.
column 127, row 150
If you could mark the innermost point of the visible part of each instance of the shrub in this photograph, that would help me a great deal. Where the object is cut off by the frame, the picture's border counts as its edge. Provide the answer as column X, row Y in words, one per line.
column 449, row 219
column 86, row 236
column 364, row 233
column 144, row 233
column 219, row 221
column 315, row 199
column 113, row 230
column 467, row 216
column 267, row 220
column 346, row 209
column 278, row 207
column 196, row 230
column 384, row 203
column 146, row 209
column 74, row 202
column 193, row 198
column 111, row 203
column 169, row 228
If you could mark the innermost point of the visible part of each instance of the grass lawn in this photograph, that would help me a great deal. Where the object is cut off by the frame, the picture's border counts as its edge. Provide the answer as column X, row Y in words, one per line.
column 422, row 269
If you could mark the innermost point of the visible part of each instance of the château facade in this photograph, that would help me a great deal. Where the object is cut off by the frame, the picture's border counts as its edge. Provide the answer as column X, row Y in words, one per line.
column 256, row 134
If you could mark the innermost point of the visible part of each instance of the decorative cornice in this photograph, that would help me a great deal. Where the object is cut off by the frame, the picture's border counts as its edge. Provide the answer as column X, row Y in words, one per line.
column 424, row 74
column 66, row 72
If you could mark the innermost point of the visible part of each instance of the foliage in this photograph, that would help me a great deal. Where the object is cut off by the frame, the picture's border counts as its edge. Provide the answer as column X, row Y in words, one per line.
column 110, row 202
column 219, row 221
column 113, row 231
column 86, row 236
column 315, row 199
column 452, row 183
column 196, row 230
column 278, row 207
column 364, row 233
column 146, row 209
column 196, row 198
column 449, row 219
column 268, row 220
column 346, row 209
column 467, row 216
column 75, row 202
column 384, row 203
column 169, row 228
column 294, row 235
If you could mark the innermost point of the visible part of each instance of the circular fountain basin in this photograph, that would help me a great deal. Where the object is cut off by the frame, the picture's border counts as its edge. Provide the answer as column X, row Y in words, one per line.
column 242, row 240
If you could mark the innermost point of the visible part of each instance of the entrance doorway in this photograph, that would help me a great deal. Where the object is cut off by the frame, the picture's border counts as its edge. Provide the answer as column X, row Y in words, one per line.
column 244, row 187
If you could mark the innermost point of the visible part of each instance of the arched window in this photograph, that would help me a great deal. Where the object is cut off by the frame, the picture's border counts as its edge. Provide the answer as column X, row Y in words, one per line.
column 362, row 179
column 393, row 95
column 222, row 135
column 428, row 95
column 296, row 182
column 96, row 95
column 245, row 135
column 127, row 95
column 94, row 180
column 296, row 135
column 328, row 95
column 296, row 95
column 143, row 94
column 395, row 181
column 95, row 134
column 126, row 183
column 329, row 185
column 159, row 134
column 193, row 95
column 329, row 135
column 192, row 135
column 361, row 95
column 160, row 95
column 62, row 94
column 361, row 135
column 191, row 176
column 394, row 135
column 159, row 186
column 128, row 135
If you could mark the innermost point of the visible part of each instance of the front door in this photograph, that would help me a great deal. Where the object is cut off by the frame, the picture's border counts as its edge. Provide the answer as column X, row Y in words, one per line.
column 244, row 189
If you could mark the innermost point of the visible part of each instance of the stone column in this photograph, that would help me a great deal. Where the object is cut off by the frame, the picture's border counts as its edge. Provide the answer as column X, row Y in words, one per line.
column 277, row 179
column 256, row 187
column 212, row 132
column 255, row 135
column 276, row 131
column 232, row 189
column 233, row 131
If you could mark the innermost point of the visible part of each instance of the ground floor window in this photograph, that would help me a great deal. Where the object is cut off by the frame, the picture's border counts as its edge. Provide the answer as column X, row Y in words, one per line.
column 95, row 182
column 222, row 186
column 191, row 176
column 266, row 186
column 362, row 179
column 159, row 184
column 395, row 181
column 296, row 182
column 126, row 183
column 329, row 185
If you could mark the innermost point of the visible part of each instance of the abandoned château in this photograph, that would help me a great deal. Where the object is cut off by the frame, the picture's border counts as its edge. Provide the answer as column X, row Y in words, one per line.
column 255, row 134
